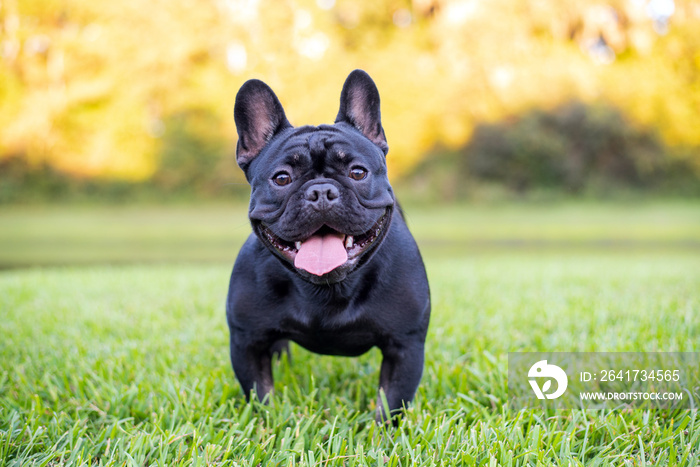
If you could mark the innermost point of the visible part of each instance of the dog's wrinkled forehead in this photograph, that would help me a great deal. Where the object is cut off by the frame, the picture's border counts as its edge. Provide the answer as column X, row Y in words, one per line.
column 320, row 146
column 323, row 144
column 317, row 143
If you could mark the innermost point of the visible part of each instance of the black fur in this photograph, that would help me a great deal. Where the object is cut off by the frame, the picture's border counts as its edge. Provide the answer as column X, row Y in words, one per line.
column 380, row 298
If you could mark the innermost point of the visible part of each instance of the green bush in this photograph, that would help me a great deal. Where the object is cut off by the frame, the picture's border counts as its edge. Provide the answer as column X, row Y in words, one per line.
column 568, row 148
column 573, row 149
column 194, row 159
column 21, row 181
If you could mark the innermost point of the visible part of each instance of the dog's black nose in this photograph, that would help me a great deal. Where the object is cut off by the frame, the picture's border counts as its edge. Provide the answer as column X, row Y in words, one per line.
column 322, row 195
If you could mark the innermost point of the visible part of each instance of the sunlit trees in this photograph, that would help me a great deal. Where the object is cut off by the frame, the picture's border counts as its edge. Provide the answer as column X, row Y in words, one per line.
column 101, row 88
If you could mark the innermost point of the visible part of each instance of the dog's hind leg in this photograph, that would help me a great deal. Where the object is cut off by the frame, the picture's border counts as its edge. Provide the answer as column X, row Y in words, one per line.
column 281, row 347
column 402, row 368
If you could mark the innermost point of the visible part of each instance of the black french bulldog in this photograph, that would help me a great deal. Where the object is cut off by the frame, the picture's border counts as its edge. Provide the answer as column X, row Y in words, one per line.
column 331, row 264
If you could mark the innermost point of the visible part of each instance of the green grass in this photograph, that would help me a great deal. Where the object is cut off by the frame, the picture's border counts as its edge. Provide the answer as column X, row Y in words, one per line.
column 128, row 364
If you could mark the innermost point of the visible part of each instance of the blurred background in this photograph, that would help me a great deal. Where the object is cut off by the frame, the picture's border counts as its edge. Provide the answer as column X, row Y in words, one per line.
column 117, row 116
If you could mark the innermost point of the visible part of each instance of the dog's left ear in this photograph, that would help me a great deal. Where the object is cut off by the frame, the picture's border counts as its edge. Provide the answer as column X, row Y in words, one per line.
column 359, row 106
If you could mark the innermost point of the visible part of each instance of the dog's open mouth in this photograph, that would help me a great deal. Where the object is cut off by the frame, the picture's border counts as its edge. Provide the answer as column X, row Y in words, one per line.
column 326, row 249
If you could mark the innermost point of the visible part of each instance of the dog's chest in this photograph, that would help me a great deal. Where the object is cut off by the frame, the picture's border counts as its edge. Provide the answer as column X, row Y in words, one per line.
column 332, row 334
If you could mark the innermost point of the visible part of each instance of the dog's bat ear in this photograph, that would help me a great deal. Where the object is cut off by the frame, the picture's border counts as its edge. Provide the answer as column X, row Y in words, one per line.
column 359, row 106
column 259, row 116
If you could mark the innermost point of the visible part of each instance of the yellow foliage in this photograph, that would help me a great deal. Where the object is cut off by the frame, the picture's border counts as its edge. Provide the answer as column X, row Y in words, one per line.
column 89, row 85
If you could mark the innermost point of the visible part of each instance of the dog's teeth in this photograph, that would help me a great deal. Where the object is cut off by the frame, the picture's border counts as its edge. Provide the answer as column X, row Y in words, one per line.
column 349, row 242
column 297, row 245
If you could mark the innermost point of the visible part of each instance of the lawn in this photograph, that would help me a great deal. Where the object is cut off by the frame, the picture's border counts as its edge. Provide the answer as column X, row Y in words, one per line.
column 116, row 363
column 58, row 235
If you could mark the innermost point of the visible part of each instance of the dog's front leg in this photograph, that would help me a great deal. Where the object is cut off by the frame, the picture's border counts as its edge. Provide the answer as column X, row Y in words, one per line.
column 253, row 368
column 402, row 368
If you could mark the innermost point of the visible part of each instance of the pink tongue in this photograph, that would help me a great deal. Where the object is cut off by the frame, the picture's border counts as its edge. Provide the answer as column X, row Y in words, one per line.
column 321, row 254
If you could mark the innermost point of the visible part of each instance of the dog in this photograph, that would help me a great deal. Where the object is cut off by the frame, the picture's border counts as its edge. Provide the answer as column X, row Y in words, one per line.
column 331, row 264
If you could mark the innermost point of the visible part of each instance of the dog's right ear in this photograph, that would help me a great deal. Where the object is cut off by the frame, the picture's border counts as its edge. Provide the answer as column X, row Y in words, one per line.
column 259, row 116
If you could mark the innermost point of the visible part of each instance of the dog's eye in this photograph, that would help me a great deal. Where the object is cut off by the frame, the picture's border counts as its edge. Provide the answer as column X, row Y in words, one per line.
column 358, row 173
column 282, row 179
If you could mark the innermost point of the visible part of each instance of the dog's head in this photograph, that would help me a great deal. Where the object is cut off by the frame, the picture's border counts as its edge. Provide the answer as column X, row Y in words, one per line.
column 321, row 200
